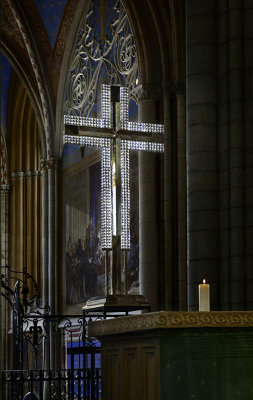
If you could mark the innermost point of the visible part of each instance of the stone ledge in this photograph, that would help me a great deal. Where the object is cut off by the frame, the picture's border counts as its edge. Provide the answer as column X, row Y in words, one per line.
column 169, row 320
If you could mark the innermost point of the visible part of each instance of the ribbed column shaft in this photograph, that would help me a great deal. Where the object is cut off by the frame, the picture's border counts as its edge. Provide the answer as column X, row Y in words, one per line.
column 181, row 198
column 4, row 315
column 52, row 271
column 219, row 151
column 248, row 144
column 45, row 235
column 149, row 198
column 202, row 251
column 168, row 239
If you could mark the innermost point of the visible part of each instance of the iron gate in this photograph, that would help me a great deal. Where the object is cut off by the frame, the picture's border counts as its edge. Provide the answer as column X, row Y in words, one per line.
column 51, row 355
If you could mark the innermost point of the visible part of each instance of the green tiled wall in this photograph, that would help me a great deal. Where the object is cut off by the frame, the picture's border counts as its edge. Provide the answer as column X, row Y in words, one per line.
column 211, row 364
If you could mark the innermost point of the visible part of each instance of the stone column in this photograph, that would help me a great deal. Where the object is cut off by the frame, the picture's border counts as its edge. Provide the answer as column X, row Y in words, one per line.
column 50, row 225
column 224, row 153
column 201, row 93
column 232, row 151
column 236, row 128
column 175, row 202
column 181, row 203
column 5, row 194
column 248, row 128
column 149, row 204
column 50, row 248
column 45, row 232
column 4, row 320
column 168, row 196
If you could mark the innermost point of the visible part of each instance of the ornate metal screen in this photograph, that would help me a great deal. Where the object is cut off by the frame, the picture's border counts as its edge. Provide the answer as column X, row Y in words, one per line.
column 51, row 355
column 104, row 52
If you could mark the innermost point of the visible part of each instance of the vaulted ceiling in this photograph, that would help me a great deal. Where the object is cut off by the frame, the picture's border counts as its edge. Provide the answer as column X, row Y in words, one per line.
column 40, row 25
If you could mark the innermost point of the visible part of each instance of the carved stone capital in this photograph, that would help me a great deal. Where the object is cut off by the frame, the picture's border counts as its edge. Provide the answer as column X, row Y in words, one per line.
column 138, row 94
column 169, row 320
column 5, row 189
column 49, row 163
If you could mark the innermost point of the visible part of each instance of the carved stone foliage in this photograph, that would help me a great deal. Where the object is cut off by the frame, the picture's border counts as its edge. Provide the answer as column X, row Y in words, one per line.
column 50, row 163
column 3, row 161
column 104, row 52
column 168, row 320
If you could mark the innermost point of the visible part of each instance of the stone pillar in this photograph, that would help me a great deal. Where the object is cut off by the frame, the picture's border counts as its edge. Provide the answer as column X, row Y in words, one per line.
column 45, row 232
column 50, row 225
column 168, row 196
column 4, row 321
column 50, row 250
column 202, row 251
column 5, row 193
column 236, row 129
column 248, row 129
column 232, row 151
column 149, row 205
column 224, row 153
column 175, row 202
column 181, row 203
column 219, row 151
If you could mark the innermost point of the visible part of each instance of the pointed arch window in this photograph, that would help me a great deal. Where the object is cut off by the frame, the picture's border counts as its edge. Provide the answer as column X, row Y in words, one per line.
column 104, row 53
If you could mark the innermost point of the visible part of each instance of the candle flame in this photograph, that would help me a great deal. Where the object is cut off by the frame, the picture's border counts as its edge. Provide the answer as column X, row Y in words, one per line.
column 204, row 281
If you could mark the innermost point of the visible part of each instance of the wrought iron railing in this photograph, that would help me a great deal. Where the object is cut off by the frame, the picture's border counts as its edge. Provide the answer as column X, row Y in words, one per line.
column 52, row 357
column 69, row 384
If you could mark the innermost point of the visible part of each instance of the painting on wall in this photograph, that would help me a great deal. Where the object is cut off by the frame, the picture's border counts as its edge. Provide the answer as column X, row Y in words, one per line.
column 84, row 257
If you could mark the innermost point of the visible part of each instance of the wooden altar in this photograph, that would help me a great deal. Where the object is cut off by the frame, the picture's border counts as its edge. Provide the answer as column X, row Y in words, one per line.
column 177, row 356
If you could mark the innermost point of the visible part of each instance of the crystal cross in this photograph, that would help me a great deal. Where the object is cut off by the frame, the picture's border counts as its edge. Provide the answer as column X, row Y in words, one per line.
column 115, row 135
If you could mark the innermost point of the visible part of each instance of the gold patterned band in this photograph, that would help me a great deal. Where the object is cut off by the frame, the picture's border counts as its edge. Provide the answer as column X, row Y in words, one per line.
column 169, row 320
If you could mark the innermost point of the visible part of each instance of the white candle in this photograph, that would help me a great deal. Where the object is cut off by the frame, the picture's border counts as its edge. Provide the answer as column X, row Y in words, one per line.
column 204, row 296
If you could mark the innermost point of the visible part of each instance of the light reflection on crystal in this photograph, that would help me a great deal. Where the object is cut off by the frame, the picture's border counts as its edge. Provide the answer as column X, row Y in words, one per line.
column 134, row 126
column 106, row 203
column 125, row 196
column 106, row 158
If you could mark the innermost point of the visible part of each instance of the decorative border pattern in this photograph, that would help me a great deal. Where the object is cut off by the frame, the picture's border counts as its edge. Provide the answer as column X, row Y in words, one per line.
column 25, row 174
column 169, row 320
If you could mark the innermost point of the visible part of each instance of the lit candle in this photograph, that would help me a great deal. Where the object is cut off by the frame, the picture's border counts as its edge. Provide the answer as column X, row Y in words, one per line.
column 204, row 296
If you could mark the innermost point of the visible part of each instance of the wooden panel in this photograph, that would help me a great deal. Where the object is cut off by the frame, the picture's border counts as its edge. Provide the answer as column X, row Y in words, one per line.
column 111, row 363
column 130, row 377
column 150, row 372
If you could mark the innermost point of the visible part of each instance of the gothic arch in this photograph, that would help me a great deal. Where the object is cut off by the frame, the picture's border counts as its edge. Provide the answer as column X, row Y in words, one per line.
column 27, row 79
column 80, row 13
column 41, row 80
column 25, row 177
column 78, row 23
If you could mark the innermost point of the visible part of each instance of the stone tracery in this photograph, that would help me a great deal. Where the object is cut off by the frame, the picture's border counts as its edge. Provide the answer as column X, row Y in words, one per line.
column 107, row 58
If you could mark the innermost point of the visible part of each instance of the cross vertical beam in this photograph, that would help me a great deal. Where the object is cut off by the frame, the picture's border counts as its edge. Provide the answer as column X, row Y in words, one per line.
column 116, row 136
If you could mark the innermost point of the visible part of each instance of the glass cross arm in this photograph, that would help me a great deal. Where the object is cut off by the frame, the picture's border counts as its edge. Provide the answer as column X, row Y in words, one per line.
column 87, row 141
column 103, row 123
column 136, row 127
column 142, row 146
